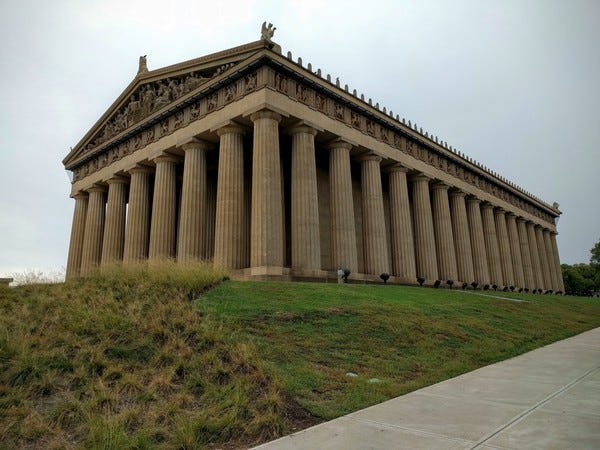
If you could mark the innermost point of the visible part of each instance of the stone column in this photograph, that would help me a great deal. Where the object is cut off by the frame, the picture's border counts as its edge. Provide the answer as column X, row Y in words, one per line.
column 442, row 226
column 77, row 233
column 551, row 260
column 94, row 229
column 536, row 265
column 480, row 264
column 192, row 217
column 525, row 254
column 163, row 225
column 543, row 258
column 230, row 245
column 508, row 273
column 137, row 229
column 561, row 285
column 343, row 230
column 515, row 250
column 491, row 244
column 266, row 230
column 374, row 232
column 306, row 241
column 462, row 238
column 114, row 227
column 403, row 245
column 423, row 228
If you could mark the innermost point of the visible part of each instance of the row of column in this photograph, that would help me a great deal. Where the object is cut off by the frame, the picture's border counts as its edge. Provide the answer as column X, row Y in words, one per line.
column 440, row 234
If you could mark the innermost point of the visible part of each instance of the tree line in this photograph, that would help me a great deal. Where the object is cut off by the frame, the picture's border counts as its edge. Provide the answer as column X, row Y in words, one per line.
column 583, row 279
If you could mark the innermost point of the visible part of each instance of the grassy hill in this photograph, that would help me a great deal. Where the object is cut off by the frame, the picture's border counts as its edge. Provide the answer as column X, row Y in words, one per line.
column 171, row 357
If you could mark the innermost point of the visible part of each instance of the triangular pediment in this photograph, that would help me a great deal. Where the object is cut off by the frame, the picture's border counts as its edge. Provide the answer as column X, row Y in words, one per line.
column 156, row 90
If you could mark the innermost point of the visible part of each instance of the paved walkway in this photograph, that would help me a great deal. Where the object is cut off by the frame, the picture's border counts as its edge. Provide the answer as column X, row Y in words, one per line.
column 545, row 399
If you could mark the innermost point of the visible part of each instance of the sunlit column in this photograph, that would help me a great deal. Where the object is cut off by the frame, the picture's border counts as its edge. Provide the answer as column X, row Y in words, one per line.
column 462, row 238
column 530, row 282
column 137, row 227
column 423, row 228
column 480, row 264
column 77, row 233
column 508, row 274
column 515, row 250
column 491, row 244
column 94, row 229
column 163, row 225
column 536, row 265
column 114, row 227
column 403, row 246
column 442, row 226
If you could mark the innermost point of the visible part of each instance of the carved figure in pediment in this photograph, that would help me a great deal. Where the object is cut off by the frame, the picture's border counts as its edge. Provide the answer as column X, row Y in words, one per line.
column 133, row 110
column 301, row 93
column 150, row 134
column 230, row 92
column 137, row 141
column 339, row 111
column 147, row 100
column 281, row 82
column 173, row 87
column 162, row 96
column 120, row 121
column 370, row 128
column 267, row 32
column 250, row 81
column 191, row 82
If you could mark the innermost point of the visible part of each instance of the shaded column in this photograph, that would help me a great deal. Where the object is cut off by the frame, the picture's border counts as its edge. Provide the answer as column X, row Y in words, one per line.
column 559, row 276
column 536, row 265
column 403, row 246
column 163, row 225
column 442, row 227
column 374, row 233
column 343, row 230
column 491, row 244
column 515, row 250
column 508, row 274
column 462, row 238
column 94, row 229
column 77, row 234
column 306, row 240
column 230, row 245
column 137, row 228
column 191, row 236
column 114, row 227
column 266, row 230
column 543, row 258
column 526, row 254
column 423, row 229
column 480, row 264
column 551, row 260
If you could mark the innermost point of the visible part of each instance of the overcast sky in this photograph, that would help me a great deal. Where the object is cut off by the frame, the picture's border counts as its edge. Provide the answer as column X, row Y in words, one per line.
column 513, row 84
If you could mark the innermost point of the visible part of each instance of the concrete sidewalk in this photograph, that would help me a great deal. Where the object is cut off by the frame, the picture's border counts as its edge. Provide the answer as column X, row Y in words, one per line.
column 548, row 398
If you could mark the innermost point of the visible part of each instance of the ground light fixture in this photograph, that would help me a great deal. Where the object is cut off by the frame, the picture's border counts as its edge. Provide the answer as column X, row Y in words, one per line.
column 474, row 284
column 437, row 283
column 384, row 276
column 486, row 287
column 450, row 283
column 347, row 273
column 421, row 280
column 464, row 286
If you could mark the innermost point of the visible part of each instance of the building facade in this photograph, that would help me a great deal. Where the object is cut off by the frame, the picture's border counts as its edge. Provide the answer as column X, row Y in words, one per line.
column 264, row 166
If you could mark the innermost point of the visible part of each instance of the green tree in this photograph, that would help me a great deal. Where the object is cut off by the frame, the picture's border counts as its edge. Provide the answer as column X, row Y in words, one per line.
column 595, row 251
column 583, row 279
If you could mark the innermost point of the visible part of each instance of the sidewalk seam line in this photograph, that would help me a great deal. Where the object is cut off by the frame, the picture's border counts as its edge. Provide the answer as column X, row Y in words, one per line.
column 534, row 407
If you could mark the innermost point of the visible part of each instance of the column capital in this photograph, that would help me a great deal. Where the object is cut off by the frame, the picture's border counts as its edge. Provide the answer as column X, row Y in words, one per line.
column 456, row 193
column 166, row 157
column 231, row 128
column 338, row 143
column 117, row 180
column 486, row 205
column 473, row 199
column 96, row 188
column 265, row 114
column 140, row 169
column 195, row 143
column 440, row 185
column 499, row 211
column 396, row 168
column 302, row 128
column 521, row 219
column 369, row 156
column 80, row 195
column 420, row 177
column 510, row 214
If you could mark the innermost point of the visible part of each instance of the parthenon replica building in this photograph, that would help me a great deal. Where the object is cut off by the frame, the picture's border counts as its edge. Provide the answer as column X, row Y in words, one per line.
column 267, row 167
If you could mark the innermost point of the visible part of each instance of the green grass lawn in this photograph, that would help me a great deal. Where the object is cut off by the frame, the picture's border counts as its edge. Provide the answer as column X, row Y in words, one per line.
column 310, row 335
column 174, row 357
